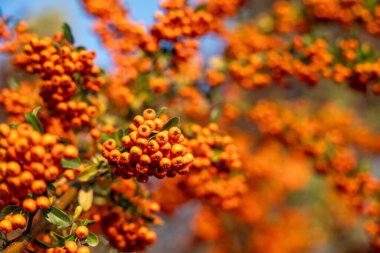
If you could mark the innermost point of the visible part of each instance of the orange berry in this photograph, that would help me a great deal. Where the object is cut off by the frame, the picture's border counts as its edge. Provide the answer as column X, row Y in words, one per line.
column 144, row 131
column 81, row 232
column 149, row 114
column 38, row 187
column 83, row 249
column 13, row 169
column 70, row 152
column 29, row 205
column 162, row 137
column 110, row 144
column 42, row 202
column 71, row 247
column 5, row 226
column 18, row 221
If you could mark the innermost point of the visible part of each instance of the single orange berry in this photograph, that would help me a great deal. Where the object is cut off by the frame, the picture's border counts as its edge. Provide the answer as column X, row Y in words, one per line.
column 29, row 205
column 71, row 247
column 18, row 221
column 83, row 249
column 43, row 202
column 5, row 226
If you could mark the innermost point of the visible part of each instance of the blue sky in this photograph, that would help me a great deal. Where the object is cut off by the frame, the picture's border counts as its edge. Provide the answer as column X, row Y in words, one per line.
column 74, row 14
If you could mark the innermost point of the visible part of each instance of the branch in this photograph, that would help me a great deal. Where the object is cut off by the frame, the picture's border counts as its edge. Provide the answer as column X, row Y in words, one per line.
column 20, row 244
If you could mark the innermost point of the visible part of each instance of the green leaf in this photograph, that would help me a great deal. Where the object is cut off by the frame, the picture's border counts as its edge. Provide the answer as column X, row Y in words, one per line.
column 55, row 237
column 215, row 114
column 88, row 173
column 66, row 239
column 34, row 121
column 92, row 240
column 43, row 245
column 85, row 222
column 171, row 123
column 57, row 217
column 56, row 44
column 201, row 7
column 117, row 136
column 77, row 213
column 14, row 126
column 105, row 137
column 67, row 33
column 161, row 111
column 126, row 131
column 80, row 48
column 36, row 110
column 51, row 187
column 70, row 163
column 8, row 209
column 13, row 83
column 85, row 198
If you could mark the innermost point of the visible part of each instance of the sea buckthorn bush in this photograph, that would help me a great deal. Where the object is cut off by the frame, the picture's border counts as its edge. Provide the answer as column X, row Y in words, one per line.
column 222, row 126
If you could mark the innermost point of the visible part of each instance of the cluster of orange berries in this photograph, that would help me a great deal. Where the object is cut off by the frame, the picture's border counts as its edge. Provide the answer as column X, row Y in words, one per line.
column 125, row 234
column 216, row 171
column 148, row 150
column 17, row 102
column 346, row 12
column 12, row 222
column 180, row 21
column 28, row 161
column 213, row 150
column 81, row 233
column 58, row 66
column 11, row 40
column 307, row 60
column 76, row 114
column 126, row 225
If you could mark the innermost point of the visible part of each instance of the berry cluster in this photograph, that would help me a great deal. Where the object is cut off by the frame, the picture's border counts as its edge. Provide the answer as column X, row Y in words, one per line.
column 59, row 65
column 212, row 149
column 148, row 150
column 77, row 114
column 12, row 222
column 125, row 233
column 28, row 161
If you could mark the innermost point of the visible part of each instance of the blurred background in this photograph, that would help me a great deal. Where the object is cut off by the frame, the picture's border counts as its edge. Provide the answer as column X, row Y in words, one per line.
column 46, row 17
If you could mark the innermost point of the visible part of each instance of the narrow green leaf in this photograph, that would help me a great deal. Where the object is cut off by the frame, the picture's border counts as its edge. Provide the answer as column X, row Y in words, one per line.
column 161, row 111
column 126, row 131
column 80, row 48
column 77, row 213
column 67, row 33
column 171, row 123
column 201, row 7
column 13, row 83
column 70, row 163
column 13, row 126
column 43, row 245
column 117, row 136
column 92, row 240
column 51, row 187
column 36, row 110
column 215, row 114
column 57, row 217
column 66, row 239
column 8, row 209
column 105, row 137
column 85, row 222
column 34, row 121
column 88, row 173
